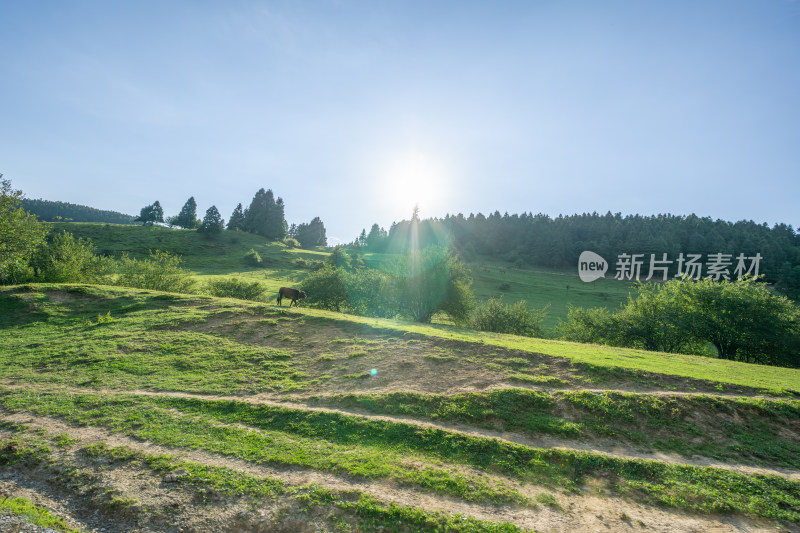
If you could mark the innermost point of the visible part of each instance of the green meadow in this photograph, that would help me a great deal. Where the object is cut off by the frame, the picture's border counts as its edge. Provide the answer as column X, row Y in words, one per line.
column 223, row 255
column 304, row 418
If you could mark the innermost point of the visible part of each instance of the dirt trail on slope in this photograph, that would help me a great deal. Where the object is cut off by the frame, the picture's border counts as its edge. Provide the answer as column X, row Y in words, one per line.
column 586, row 513
column 605, row 446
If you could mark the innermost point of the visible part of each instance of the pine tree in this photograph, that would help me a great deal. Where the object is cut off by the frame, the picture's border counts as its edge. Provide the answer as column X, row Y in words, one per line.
column 212, row 222
column 276, row 226
column 256, row 216
column 265, row 216
column 187, row 218
column 236, row 222
column 312, row 234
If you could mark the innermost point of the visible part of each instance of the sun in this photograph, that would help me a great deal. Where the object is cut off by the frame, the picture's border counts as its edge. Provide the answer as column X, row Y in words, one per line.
column 413, row 179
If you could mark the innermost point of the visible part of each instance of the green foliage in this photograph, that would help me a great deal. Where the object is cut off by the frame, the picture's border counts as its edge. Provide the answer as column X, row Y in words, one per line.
column 187, row 218
column 743, row 320
column 517, row 319
column 310, row 264
column 161, row 272
column 212, row 222
column 20, row 233
column 291, row 242
column 339, row 258
column 236, row 221
column 371, row 292
column 434, row 280
column 325, row 289
column 265, row 216
column 596, row 325
column 235, row 288
column 151, row 213
column 526, row 240
column 253, row 258
column 312, row 234
column 51, row 211
column 66, row 259
column 377, row 240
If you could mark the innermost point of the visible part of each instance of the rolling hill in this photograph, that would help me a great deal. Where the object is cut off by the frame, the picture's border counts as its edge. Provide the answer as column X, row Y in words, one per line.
column 224, row 256
column 146, row 411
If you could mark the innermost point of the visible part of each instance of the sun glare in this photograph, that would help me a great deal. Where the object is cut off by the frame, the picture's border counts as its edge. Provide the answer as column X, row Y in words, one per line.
column 413, row 179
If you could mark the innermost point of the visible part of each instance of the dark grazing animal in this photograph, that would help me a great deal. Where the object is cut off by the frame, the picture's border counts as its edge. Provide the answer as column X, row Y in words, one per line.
column 294, row 294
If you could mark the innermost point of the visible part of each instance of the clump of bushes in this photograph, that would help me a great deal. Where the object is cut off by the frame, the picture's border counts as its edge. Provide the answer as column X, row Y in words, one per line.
column 517, row 319
column 310, row 264
column 253, row 258
column 161, row 272
column 291, row 243
column 236, row 288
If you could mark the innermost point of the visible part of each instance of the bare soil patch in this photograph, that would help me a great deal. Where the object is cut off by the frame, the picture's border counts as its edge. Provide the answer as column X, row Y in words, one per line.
column 172, row 508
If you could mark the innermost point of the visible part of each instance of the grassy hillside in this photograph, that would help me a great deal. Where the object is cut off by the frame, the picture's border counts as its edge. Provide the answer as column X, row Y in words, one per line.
column 154, row 411
column 223, row 255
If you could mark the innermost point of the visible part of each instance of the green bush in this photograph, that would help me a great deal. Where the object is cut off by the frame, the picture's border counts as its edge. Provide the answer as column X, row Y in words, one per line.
column 434, row 280
column 66, row 259
column 743, row 321
column 516, row 319
column 161, row 272
column 325, row 289
column 252, row 258
column 16, row 272
column 236, row 288
column 291, row 243
column 311, row 264
column 371, row 292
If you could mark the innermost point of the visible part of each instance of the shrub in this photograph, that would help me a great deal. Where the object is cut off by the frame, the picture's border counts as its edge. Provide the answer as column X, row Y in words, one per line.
column 516, row 319
column 291, row 243
column 236, row 288
column 434, row 280
column 371, row 293
column 252, row 258
column 161, row 272
column 311, row 264
column 66, row 259
column 16, row 272
column 325, row 289
column 743, row 320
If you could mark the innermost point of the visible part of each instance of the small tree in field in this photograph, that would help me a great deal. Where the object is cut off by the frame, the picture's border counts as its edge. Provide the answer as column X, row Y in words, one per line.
column 150, row 214
column 434, row 280
column 212, row 222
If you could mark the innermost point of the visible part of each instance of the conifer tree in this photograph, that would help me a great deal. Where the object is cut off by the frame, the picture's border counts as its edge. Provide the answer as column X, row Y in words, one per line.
column 212, row 222
column 236, row 222
column 187, row 218
column 265, row 216
column 312, row 234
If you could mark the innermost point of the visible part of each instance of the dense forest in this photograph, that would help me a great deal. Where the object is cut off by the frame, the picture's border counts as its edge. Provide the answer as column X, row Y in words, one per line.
column 538, row 240
column 50, row 211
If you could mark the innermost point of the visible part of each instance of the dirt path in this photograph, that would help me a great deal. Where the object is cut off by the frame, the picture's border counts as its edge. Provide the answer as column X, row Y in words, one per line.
column 586, row 513
column 608, row 447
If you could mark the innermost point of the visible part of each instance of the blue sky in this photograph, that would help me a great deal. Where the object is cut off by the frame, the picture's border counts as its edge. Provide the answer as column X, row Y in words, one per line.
column 354, row 111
